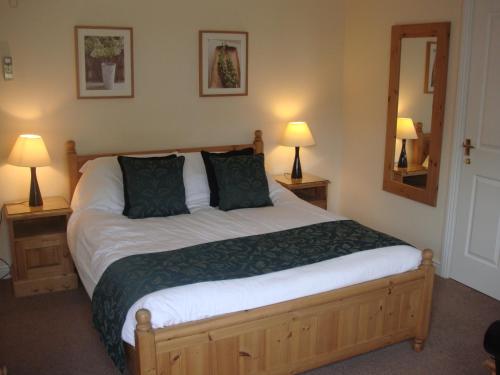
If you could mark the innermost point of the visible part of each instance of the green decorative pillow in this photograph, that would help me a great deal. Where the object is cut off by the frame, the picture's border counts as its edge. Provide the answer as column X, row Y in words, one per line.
column 242, row 182
column 153, row 187
column 212, row 179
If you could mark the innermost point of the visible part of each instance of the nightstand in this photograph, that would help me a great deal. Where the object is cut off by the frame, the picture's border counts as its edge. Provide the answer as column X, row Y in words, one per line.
column 310, row 188
column 415, row 175
column 41, row 262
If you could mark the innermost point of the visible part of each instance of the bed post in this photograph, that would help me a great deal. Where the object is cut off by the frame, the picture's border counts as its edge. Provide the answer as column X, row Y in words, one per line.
column 422, row 328
column 72, row 166
column 258, row 142
column 145, row 344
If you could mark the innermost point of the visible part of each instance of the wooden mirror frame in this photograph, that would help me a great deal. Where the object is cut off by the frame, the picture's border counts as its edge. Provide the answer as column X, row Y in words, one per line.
column 442, row 32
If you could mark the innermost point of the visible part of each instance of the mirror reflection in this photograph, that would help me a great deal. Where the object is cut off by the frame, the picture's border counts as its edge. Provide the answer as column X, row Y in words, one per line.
column 413, row 124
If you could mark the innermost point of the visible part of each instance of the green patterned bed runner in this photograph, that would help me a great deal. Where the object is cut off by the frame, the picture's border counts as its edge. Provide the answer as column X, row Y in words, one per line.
column 128, row 279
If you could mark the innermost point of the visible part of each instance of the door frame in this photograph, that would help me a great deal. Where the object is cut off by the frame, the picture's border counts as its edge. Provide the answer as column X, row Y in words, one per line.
column 458, row 136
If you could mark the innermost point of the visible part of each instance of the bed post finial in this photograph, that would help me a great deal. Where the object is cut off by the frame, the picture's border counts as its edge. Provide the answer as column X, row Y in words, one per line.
column 145, row 347
column 427, row 257
column 72, row 158
column 258, row 142
column 71, row 147
column 143, row 317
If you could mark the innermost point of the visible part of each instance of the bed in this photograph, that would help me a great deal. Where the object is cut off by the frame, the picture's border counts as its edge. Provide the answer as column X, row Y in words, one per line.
column 278, row 323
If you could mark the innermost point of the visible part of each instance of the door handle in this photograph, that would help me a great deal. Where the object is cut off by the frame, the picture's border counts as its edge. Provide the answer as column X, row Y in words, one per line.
column 467, row 147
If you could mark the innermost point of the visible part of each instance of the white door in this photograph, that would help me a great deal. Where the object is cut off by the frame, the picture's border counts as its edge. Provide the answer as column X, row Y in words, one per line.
column 475, row 257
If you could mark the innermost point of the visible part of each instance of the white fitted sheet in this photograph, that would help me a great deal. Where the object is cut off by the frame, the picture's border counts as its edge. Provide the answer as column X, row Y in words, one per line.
column 98, row 238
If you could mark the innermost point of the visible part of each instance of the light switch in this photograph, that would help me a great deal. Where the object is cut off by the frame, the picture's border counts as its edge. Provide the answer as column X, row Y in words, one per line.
column 8, row 72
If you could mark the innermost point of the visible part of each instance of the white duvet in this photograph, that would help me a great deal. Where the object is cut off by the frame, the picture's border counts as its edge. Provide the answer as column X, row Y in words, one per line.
column 97, row 238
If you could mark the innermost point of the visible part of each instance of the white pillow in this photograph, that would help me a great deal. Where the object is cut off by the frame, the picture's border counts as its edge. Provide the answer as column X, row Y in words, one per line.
column 101, row 184
column 274, row 187
column 195, row 181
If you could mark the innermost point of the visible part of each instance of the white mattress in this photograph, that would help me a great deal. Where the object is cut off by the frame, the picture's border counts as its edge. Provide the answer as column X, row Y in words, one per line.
column 98, row 238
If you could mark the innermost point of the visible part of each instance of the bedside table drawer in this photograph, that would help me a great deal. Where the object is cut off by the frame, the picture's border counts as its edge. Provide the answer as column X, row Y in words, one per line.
column 39, row 226
column 43, row 256
column 310, row 188
column 313, row 195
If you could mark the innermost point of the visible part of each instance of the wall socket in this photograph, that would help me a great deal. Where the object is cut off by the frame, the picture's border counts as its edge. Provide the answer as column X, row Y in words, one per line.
column 8, row 71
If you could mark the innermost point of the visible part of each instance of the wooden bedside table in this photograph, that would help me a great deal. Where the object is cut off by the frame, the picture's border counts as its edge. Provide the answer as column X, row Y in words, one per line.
column 41, row 262
column 310, row 188
column 415, row 175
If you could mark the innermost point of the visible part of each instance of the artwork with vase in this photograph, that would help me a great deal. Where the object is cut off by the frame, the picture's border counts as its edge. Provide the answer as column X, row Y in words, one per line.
column 104, row 62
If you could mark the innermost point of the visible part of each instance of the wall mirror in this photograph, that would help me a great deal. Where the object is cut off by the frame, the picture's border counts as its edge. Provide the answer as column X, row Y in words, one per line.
column 415, row 114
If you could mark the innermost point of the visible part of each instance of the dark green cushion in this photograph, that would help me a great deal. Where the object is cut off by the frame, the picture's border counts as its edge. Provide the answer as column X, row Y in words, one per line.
column 242, row 182
column 212, row 179
column 153, row 187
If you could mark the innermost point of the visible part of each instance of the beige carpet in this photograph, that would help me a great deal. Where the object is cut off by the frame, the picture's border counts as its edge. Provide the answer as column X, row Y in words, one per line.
column 53, row 335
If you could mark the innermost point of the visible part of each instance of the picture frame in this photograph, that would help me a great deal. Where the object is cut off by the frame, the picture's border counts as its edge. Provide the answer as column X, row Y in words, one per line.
column 430, row 60
column 223, row 63
column 104, row 62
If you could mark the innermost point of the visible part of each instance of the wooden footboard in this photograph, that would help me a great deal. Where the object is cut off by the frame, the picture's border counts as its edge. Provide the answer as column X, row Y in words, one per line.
column 292, row 336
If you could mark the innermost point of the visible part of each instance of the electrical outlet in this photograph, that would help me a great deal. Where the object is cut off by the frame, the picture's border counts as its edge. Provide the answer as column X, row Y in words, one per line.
column 8, row 71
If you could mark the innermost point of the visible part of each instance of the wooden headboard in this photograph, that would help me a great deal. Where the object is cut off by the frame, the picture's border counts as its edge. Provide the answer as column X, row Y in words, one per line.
column 420, row 146
column 75, row 161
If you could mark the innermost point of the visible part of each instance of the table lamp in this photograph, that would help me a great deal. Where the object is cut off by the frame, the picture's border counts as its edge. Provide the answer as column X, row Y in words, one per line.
column 297, row 134
column 30, row 151
column 405, row 129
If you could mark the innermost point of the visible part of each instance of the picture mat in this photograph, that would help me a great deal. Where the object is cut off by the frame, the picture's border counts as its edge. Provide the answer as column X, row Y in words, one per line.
column 120, row 89
column 235, row 40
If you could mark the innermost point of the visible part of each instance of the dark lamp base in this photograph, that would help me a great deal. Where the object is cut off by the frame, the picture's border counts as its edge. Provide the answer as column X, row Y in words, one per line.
column 35, row 195
column 296, row 169
column 403, row 162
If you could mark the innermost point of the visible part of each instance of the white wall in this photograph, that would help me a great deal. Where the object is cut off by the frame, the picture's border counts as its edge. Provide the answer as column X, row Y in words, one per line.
column 297, row 53
column 295, row 73
column 366, row 78
column 413, row 101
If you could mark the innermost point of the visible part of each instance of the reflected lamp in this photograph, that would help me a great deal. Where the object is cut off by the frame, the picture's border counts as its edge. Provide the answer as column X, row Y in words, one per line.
column 405, row 129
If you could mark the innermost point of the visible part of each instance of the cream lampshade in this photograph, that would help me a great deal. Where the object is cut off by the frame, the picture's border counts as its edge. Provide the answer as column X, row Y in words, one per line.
column 297, row 134
column 30, row 151
column 405, row 129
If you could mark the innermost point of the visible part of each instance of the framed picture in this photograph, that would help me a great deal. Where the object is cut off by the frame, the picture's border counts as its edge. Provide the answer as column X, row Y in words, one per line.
column 430, row 71
column 223, row 65
column 104, row 62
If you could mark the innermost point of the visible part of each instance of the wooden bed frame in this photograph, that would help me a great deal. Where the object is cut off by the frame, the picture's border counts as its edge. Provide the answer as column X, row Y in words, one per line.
column 288, row 337
column 420, row 146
